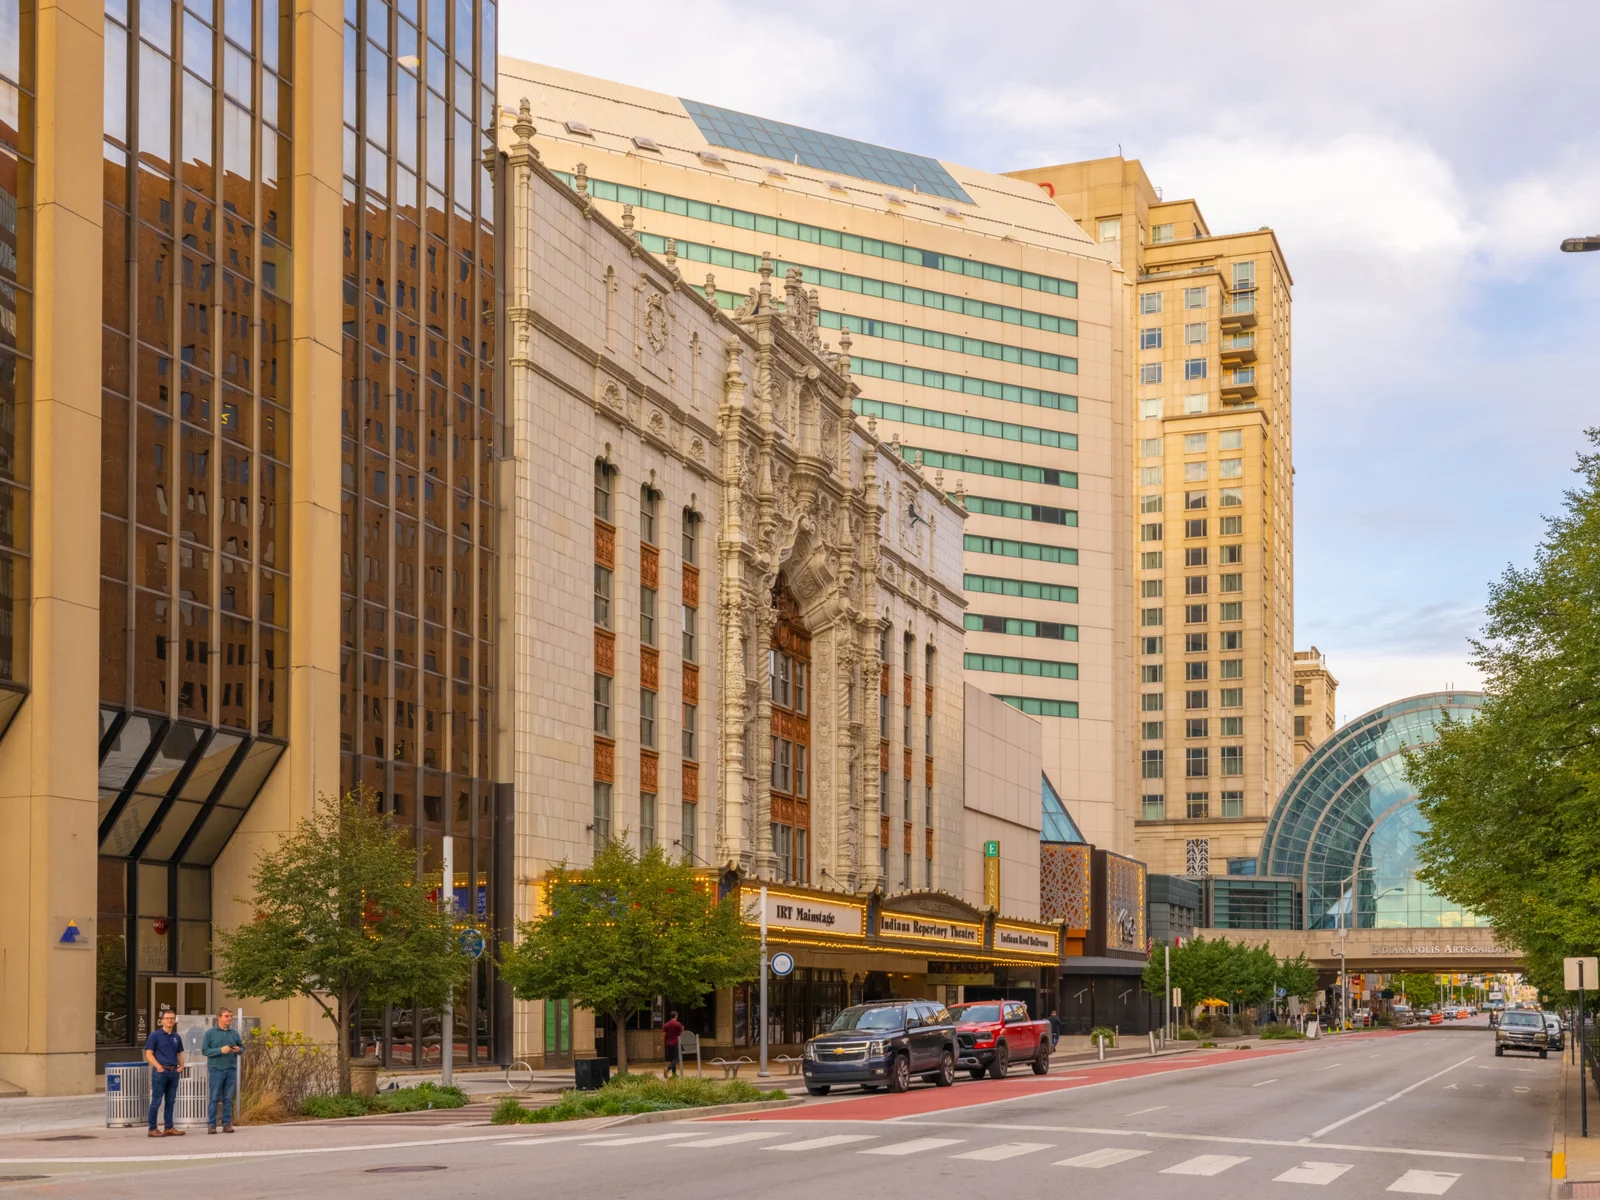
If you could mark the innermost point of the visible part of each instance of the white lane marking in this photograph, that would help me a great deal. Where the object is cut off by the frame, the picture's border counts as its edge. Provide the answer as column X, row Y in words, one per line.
column 1329, row 1067
column 820, row 1143
column 1388, row 1099
column 1221, row 1139
column 1205, row 1164
column 914, row 1146
column 1142, row 1111
column 650, row 1137
column 1096, row 1159
column 732, row 1139
column 1319, row 1173
column 285, row 1152
column 1423, row 1183
column 1264, row 1083
column 591, row 1138
column 1004, row 1151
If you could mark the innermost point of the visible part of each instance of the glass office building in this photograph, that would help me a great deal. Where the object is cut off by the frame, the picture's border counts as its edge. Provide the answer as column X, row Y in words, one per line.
column 211, row 290
column 1346, row 829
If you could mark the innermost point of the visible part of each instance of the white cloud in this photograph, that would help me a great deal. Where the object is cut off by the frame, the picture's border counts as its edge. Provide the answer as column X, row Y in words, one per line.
column 1368, row 680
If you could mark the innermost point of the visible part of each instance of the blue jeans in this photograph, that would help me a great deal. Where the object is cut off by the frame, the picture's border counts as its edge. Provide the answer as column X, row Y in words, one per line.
column 163, row 1086
column 224, row 1085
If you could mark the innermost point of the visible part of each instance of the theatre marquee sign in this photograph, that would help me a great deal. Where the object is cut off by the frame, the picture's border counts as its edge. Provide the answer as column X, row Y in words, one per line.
column 1435, row 948
column 929, row 929
column 804, row 913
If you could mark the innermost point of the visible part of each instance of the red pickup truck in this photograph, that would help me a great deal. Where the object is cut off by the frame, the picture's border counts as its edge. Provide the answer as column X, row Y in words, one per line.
column 993, row 1034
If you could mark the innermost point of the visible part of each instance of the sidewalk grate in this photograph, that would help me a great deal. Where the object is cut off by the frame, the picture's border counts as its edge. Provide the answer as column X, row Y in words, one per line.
column 1585, row 1190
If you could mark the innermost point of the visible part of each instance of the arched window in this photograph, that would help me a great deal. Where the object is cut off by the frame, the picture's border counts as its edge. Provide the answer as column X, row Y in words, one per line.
column 789, row 688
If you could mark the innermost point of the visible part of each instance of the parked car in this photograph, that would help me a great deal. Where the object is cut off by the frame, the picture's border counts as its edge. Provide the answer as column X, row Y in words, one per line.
column 993, row 1034
column 1449, row 1014
column 1555, row 1031
column 1402, row 1014
column 1521, row 1029
column 883, row 1045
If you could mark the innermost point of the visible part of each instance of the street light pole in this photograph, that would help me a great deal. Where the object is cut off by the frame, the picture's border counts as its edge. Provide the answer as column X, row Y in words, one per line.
column 763, row 1072
column 1576, row 245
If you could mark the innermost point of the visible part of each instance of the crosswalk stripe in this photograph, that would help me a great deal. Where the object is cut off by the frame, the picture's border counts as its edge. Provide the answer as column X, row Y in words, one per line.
column 914, row 1146
column 732, row 1139
column 820, row 1143
column 1109, row 1157
column 648, row 1137
column 1313, row 1172
column 1205, row 1164
column 1004, row 1150
column 1424, row 1183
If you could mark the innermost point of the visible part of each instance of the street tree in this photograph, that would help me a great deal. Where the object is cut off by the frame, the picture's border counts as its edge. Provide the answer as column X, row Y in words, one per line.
column 1217, row 969
column 632, row 927
column 1298, row 978
column 341, row 917
column 1420, row 991
column 1513, row 797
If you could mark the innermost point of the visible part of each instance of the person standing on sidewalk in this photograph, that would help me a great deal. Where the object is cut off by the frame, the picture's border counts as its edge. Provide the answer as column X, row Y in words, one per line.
column 222, row 1048
column 163, row 1050
column 670, row 1033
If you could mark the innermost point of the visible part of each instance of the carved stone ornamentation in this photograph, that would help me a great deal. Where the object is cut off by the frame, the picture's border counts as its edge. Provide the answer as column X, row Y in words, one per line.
column 611, row 397
column 655, row 323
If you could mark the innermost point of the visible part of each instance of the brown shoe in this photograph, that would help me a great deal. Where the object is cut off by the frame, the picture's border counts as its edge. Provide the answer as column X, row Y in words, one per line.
column 227, row 1129
column 157, row 1133
column 211, row 1128
column 176, row 1132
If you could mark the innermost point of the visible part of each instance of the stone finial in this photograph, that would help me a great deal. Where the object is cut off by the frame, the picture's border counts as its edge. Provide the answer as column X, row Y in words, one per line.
column 872, row 428
column 844, row 339
column 916, row 459
column 961, row 493
column 672, row 255
column 938, row 480
column 583, row 180
column 627, row 219
column 766, row 280
column 524, row 123
column 894, row 444
column 793, row 294
column 711, row 287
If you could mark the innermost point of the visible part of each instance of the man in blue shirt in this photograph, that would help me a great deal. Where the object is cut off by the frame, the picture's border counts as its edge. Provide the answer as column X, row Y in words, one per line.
column 222, row 1049
column 163, row 1050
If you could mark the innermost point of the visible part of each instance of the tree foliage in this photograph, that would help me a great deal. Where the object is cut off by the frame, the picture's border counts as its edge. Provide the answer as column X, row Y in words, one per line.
column 626, row 930
column 1241, row 975
column 1513, row 797
column 1420, row 991
column 341, row 917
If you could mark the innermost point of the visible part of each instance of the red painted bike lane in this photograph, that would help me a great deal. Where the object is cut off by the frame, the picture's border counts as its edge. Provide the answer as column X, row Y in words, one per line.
column 924, row 1098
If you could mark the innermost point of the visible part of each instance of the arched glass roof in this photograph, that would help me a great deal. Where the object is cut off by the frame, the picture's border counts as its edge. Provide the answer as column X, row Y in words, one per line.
column 1346, row 827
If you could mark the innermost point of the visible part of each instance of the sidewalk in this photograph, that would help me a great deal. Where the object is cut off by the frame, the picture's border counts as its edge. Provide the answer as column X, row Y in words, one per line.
column 1575, row 1159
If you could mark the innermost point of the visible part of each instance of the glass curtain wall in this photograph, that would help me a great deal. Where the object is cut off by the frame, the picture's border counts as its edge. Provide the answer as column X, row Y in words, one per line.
column 194, row 601
column 17, row 53
column 418, row 421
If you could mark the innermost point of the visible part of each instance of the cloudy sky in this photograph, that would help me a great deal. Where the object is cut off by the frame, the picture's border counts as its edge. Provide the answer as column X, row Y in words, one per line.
column 1420, row 161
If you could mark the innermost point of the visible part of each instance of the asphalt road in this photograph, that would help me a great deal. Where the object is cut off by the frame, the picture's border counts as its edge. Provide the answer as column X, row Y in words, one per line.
column 1413, row 1113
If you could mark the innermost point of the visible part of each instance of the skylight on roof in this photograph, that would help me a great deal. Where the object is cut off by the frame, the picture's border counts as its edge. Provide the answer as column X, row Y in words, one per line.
column 824, row 151
column 579, row 129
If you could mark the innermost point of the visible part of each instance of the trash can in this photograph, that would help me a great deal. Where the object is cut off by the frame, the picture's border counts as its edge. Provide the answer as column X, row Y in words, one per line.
column 194, row 1095
column 591, row 1074
column 127, row 1095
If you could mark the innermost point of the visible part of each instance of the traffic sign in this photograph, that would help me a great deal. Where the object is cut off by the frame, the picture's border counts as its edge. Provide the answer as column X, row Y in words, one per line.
column 782, row 963
column 1591, row 976
column 471, row 942
column 1282, row 992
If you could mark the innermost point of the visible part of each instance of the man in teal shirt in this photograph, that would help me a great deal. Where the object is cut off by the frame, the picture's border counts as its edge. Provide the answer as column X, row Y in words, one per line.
column 222, row 1049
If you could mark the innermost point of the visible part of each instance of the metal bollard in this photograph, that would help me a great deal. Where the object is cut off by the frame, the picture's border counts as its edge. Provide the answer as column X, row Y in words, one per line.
column 1100, row 1040
column 1152, row 1043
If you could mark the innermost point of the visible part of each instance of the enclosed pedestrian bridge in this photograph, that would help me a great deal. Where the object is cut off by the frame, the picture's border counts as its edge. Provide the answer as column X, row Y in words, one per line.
column 1338, row 863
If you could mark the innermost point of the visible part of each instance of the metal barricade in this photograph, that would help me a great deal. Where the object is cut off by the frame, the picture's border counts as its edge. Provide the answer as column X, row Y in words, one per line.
column 128, row 1095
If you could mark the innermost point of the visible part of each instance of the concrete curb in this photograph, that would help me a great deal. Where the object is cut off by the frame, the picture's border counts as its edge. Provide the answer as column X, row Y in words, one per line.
column 714, row 1110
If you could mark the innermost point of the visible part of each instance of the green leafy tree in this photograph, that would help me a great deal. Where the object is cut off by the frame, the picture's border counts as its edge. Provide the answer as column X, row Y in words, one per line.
column 1298, row 978
column 626, row 930
column 341, row 916
column 1420, row 991
column 1513, row 797
column 1216, row 969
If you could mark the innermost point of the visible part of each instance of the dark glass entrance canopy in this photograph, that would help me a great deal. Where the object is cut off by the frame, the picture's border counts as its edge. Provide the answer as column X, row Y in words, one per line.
column 1346, row 828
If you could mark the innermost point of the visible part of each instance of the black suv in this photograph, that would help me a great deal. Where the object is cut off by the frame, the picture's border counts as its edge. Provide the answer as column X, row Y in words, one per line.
column 883, row 1045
